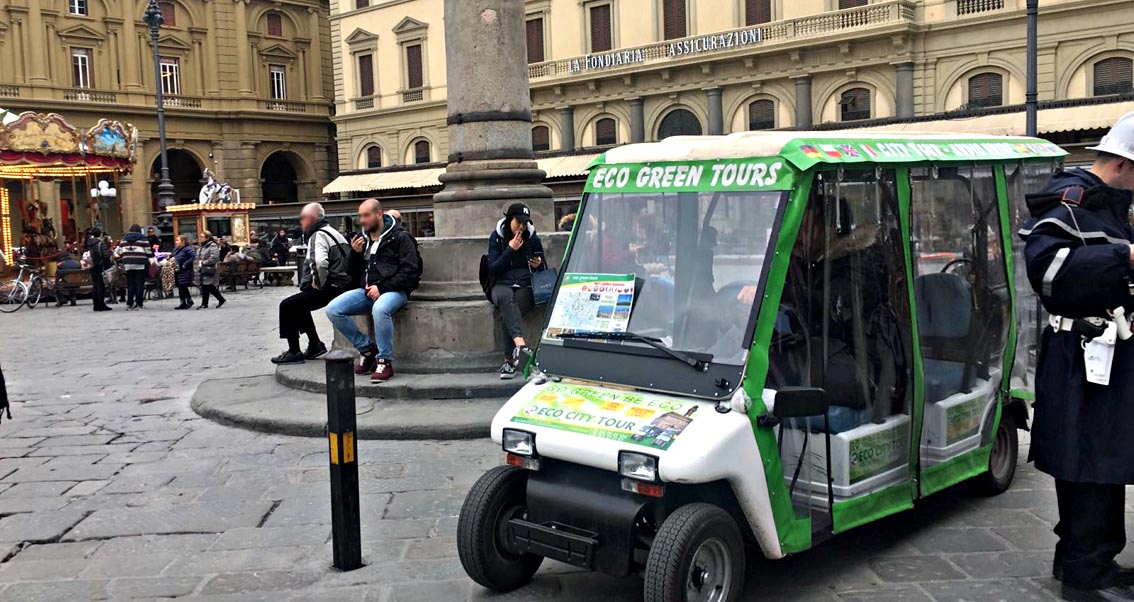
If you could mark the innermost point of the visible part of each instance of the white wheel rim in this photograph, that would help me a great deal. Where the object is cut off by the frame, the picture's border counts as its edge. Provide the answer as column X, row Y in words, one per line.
column 710, row 573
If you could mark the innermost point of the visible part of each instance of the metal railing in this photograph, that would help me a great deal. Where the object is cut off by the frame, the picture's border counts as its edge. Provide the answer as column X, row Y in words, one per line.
column 972, row 7
column 363, row 103
column 881, row 13
column 90, row 96
column 413, row 95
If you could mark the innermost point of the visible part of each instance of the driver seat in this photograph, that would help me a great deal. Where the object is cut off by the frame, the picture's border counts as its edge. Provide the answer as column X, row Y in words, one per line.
column 944, row 320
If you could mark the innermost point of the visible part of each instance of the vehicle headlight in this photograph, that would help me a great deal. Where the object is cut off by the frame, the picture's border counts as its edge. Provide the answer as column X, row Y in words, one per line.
column 639, row 467
column 521, row 443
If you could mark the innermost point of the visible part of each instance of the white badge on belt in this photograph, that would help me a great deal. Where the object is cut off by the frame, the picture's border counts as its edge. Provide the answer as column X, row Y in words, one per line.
column 1098, row 355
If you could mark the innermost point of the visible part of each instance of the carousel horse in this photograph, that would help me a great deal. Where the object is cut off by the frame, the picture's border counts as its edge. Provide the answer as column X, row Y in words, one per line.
column 214, row 191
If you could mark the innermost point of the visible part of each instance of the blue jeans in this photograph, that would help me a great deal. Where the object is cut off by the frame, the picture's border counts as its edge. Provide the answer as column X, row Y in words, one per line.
column 356, row 303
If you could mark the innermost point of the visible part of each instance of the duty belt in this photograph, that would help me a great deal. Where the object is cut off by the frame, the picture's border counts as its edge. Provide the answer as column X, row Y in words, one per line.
column 1111, row 328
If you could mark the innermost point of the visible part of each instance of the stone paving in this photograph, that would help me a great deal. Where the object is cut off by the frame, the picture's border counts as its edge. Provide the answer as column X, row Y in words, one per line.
column 111, row 488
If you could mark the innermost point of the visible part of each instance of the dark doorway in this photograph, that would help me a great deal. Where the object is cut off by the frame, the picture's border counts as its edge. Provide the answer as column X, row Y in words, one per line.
column 679, row 123
column 184, row 174
column 278, row 180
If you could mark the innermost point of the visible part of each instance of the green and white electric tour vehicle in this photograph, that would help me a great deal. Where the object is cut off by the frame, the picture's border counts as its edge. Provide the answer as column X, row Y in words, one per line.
column 759, row 341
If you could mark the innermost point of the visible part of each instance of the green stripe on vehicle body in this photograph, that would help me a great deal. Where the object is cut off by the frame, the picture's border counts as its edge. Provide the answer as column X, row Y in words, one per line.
column 868, row 508
column 805, row 153
column 905, row 201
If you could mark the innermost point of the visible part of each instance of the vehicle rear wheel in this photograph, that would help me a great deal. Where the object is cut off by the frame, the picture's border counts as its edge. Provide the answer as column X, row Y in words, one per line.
column 497, row 497
column 1002, row 460
column 35, row 293
column 697, row 556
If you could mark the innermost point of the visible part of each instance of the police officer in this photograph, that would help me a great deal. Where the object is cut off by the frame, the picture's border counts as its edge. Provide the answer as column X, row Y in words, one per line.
column 1080, row 259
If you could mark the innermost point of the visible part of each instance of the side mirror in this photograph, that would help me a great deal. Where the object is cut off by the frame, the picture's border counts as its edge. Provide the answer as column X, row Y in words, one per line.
column 801, row 402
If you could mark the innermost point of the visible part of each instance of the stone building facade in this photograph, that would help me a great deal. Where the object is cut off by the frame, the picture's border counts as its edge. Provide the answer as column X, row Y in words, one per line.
column 606, row 72
column 247, row 86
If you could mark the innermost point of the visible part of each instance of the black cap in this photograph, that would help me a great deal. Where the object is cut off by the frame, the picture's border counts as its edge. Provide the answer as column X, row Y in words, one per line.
column 519, row 211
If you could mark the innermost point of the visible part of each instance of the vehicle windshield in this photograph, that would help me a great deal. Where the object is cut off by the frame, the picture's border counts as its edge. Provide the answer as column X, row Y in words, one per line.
column 680, row 268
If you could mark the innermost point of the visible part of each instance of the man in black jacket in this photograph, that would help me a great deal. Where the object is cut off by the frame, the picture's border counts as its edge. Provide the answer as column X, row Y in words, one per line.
column 1080, row 259
column 100, row 261
column 387, row 268
column 514, row 252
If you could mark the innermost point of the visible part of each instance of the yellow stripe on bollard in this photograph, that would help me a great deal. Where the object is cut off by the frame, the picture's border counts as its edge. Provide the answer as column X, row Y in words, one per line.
column 335, row 448
column 348, row 447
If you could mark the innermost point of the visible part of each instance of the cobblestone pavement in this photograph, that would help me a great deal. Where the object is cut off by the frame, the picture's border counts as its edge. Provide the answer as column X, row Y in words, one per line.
column 111, row 488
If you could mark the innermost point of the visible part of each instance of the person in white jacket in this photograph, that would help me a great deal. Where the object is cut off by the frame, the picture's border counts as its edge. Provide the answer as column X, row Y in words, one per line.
column 324, row 278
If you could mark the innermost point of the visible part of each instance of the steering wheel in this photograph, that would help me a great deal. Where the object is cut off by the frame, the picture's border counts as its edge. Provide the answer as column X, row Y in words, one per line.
column 955, row 263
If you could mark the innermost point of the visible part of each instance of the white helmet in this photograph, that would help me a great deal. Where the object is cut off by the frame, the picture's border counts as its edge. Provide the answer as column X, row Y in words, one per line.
column 1119, row 140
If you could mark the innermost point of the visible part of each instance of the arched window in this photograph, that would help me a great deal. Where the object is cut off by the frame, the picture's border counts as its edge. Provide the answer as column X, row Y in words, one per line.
column 168, row 14
column 421, row 152
column 541, row 138
column 762, row 115
column 757, row 11
column 606, row 132
column 374, row 157
column 854, row 104
column 679, row 122
column 675, row 19
column 1114, row 76
column 986, row 90
column 275, row 24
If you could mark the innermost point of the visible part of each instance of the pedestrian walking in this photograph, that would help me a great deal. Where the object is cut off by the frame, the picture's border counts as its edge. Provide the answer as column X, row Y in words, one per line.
column 100, row 262
column 1080, row 258
column 183, row 258
column 324, row 278
column 136, row 254
column 208, row 257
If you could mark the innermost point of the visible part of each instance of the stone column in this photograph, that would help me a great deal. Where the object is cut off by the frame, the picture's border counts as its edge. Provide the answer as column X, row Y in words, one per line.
column 637, row 120
column 34, row 42
column 904, row 80
column 567, row 128
column 128, row 50
column 242, row 66
column 803, row 101
column 491, row 163
column 716, row 111
column 314, row 57
column 212, row 79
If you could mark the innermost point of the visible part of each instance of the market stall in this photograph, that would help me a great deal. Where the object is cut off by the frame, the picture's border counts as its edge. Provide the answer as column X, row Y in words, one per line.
column 39, row 149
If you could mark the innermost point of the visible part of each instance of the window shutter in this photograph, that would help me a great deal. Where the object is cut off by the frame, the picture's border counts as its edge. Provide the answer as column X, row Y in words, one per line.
column 168, row 14
column 413, row 67
column 1113, row 76
column 674, row 16
column 421, row 151
column 275, row 24
column 361, row 3
column 986, row 90
column 374, row 157
column 601, row 40
column 757, row 11
column 535, row 40
column 855, row 104
column 541, row 138
column 852, row 3
column 762, row 115
column 366, row 75
column 606, row 132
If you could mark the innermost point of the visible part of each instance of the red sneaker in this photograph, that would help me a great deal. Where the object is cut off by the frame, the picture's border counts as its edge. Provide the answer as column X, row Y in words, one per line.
column 365, row 364
column 383, row 370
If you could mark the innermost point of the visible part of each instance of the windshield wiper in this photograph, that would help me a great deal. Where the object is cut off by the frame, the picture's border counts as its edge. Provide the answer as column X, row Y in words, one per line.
column 685, row 358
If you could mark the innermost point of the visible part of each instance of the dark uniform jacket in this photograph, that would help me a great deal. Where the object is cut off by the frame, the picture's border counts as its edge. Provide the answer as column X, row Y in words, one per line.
column 1078, row 260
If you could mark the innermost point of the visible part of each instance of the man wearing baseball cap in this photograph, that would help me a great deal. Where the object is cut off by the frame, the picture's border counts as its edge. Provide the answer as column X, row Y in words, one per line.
column 514, row 252
column 1080, row 260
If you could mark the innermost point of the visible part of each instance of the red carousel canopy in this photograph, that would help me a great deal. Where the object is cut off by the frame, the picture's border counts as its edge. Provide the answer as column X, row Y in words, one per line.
column 37, row 145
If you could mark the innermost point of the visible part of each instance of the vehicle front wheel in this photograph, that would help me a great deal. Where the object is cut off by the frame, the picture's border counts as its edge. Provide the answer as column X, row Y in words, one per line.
column 497, row 497
column 1002, row 460
column 697, row 556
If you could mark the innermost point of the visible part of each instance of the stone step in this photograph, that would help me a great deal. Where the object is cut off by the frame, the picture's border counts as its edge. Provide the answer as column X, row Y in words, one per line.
column 259, row 403
column 312, row 377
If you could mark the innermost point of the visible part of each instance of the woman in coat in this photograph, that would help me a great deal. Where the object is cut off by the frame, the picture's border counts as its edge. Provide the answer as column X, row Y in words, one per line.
column 208, row 260
column 182, row 260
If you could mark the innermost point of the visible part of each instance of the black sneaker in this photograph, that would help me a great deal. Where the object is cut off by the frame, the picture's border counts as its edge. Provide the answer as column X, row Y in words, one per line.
column 288, row 357
column 507, row 371
column 315, row 351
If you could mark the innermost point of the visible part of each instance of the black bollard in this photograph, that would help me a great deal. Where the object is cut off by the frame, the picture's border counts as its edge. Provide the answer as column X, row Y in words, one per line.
column 341, row 427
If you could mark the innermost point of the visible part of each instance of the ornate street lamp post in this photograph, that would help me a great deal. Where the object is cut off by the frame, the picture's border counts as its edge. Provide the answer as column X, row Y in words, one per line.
column 154, row 20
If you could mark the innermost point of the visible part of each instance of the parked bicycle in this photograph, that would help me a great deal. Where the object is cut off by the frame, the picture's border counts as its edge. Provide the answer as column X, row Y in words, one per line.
column 25, row 289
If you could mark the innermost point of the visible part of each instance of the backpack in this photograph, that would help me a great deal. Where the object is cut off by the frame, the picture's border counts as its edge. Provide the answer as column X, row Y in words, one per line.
column 487, row 278
column 420, row 261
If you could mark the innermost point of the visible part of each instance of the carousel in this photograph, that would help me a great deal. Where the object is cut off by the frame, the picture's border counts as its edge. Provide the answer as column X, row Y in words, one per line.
column 38, row 149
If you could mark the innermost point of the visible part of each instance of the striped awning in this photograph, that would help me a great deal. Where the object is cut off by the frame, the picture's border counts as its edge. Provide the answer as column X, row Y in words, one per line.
column 555, row 167
column 1049, row 121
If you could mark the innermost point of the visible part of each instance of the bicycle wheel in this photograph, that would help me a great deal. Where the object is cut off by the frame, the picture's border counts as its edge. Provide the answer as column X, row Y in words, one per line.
column 35, row 292
column 13, row 295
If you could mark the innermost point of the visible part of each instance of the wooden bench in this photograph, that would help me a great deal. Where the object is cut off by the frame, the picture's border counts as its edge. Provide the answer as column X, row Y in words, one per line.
column 233, row 273
column 279, row 275
column 69, row 284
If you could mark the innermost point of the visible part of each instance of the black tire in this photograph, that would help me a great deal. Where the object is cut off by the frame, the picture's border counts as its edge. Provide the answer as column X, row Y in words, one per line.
column 683, row 554
column 499, row 495
column 1002, row 460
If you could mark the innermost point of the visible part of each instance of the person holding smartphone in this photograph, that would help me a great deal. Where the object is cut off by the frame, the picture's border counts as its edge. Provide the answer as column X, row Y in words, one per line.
column 514, row 252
